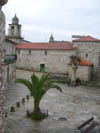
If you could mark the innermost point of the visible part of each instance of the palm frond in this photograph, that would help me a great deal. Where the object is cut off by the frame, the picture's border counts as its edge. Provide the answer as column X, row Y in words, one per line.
column 43, row 91
column 51, row 82
column 55, row 86
column 26, row 83
column 35, row 81
column 44, row 79
column 39, row 87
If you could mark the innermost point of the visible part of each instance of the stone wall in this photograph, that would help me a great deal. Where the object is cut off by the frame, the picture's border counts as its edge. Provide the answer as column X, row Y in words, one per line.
column 10, row 47
column 2, row 98
column 56, row 61
column 91, row 52
column 9, row 69
column 83, row 72
column 9, row 73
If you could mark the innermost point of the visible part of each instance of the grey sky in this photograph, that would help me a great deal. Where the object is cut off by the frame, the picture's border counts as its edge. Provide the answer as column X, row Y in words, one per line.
column 63, row 18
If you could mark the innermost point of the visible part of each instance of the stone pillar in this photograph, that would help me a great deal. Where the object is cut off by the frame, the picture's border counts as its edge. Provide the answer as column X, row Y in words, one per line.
column 2, row 39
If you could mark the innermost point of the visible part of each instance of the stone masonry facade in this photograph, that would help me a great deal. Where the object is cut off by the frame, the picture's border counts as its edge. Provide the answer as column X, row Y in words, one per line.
column 56, row 61
column 83, row 72
column 2, row 39
column 2, row 98
column 91, row 52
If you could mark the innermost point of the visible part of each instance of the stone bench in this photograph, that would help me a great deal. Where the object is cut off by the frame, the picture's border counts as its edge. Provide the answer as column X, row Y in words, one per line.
column 88, row 126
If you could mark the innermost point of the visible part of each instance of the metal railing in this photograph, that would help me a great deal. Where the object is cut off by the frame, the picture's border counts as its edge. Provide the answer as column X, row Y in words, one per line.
column 9, row 59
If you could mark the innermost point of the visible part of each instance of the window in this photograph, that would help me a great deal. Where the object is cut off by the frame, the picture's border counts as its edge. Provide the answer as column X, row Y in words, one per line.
column 29, row 52
column 86, row 55
column 45, row 52
column 12, row 30
column 12, row 27
column 18, row 51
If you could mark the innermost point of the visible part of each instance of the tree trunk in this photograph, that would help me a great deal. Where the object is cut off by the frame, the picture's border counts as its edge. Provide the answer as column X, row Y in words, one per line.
column 36, row 107
column 73, row 80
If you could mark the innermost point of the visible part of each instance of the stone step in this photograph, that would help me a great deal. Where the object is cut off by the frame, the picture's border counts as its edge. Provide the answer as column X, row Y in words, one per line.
column 59, row 78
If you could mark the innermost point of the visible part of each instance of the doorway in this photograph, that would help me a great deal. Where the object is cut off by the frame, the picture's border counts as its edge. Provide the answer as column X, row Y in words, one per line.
column 42, row 67
column 8, row 74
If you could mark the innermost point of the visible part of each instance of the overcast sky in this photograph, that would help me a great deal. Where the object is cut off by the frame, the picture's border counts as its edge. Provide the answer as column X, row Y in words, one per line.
column 62, row 18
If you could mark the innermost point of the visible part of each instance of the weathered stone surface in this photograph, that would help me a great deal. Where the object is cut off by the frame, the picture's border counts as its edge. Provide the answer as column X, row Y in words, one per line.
column 77, row 104
column 83, row 72
column 11, row 74
column 2, row 2
column 2, row 39
column 91, row 52
column 55, row 61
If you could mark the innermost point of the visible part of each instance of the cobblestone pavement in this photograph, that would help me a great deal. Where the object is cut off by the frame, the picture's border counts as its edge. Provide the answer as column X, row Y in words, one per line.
column 76, row 104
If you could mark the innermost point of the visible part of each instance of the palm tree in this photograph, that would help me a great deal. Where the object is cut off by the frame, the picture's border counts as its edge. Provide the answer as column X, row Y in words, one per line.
column 38, row 88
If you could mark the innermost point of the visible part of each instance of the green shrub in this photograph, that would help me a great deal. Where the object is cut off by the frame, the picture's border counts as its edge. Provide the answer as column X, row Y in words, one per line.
column 78, row 80
column 36, row 116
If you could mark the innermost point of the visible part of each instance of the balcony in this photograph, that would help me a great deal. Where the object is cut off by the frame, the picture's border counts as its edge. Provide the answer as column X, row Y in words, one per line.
column 9, row 59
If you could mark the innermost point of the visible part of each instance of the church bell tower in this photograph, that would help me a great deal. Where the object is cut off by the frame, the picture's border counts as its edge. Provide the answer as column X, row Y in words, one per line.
column 14, row 31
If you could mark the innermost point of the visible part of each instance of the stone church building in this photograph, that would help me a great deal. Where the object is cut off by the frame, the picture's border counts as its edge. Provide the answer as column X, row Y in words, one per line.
column 45, row 57
column 54, row 56
column 11, row 40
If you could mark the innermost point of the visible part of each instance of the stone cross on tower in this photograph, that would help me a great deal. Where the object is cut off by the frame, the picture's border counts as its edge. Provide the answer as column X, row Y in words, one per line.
column 2, row 39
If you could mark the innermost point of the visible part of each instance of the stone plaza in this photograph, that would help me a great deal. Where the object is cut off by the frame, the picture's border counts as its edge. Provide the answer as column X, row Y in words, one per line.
column 66, row 110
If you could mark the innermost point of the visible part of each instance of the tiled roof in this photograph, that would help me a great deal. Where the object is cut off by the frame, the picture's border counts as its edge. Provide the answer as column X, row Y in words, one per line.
column 47, row 46
column 87, row 39
column 83, row 62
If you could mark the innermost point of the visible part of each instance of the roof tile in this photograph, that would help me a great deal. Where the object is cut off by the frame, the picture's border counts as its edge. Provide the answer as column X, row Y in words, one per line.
column 83, row 62
column 87, row 39
column 47, row 46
